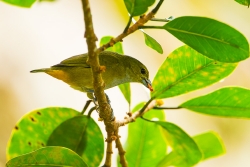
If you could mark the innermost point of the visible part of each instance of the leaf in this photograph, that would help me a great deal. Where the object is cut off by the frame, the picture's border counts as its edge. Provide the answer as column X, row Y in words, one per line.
column 138, row 7
column 243, row 2
column 185, row 152
column 226, row 102
column 211, row 38
column 21, row 3
column 48, row 156
column 152, row 43
column 145, row 145
column 82, row 135
column 125, row 88
column 210, row 144
column 33, row 130
column 115, row 48
column 186, row 70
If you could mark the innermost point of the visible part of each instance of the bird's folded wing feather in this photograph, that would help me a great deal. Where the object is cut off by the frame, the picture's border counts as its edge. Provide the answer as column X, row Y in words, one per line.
column 74, row 61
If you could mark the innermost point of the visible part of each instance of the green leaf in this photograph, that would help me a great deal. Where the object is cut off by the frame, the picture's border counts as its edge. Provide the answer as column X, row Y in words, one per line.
column 210, row 144
column 33, row 130
column 115, row 48
column 125, row 88
column 138, row 7
column 152, row 43
column 186, row 70
column 243, row 2
column 185, row 152
column 145, row 145
column 21, row 3
column 48, row 156
column 210, row 37
column 226, row 102
column 82, row 135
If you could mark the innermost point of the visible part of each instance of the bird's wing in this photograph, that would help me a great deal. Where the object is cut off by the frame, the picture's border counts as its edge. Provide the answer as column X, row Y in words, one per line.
column 74, row 61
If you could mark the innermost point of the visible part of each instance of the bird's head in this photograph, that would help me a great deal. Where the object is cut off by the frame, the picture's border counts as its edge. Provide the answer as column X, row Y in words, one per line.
column 138, row 72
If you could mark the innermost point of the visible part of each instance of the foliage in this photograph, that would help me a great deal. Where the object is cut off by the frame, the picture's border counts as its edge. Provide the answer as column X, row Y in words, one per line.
column 211, row 53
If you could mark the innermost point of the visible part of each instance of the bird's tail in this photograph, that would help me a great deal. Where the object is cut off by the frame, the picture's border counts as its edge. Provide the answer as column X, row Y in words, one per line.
column 40, row 70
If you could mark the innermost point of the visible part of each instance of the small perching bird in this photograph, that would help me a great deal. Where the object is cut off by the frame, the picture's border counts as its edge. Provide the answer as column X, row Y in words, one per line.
column 119, row 69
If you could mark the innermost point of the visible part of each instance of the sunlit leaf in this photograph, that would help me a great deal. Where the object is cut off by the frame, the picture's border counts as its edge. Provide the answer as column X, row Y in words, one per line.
column 125, row 88
column 186, row 70
column 82, row 135
column 210, row 144
column 152, row 43
column 138, row 7
column 243, row 2
column 210, row 37
column 21, row 3
column 48, row 156
column 185, row 152
column 33, row 130
column 226, row 102
column 145, row 145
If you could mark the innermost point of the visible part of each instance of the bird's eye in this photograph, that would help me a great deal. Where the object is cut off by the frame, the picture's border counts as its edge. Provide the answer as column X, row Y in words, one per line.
column 143, row 71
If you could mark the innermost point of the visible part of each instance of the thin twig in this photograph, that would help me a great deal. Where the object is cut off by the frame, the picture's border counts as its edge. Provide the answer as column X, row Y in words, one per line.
column 137, row 114
column 144, row 19
column 86, row 106
column 109, row 151
column 121, row 151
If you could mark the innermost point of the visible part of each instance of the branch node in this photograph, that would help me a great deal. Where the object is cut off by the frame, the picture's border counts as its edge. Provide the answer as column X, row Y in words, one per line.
column 102, row 69
column 129, row 114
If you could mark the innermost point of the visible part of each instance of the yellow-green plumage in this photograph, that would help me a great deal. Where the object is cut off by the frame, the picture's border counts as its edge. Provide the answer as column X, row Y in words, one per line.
column 119, row 69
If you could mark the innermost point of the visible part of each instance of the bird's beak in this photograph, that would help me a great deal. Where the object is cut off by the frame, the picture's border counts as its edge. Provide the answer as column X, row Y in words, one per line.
column 147, row 83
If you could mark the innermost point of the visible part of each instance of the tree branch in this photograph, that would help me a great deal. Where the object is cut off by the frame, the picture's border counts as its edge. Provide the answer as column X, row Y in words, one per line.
column 143, row 19
column 121, row 151
column 105, row 111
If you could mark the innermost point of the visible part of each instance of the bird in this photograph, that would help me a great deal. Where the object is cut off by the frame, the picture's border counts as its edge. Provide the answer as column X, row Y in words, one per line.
column 119, row 69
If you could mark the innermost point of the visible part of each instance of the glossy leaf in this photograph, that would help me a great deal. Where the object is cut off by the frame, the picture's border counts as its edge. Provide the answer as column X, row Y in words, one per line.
column 226, row 102
column 210, row 144
column 185, row 152
column 210, row 37
column 82, row 135
column 243, row 2
column 48, row 156
column 125, row 88
column 33, row 130
column 152, row 43
column 145, row 145
column 115, row 48
column 21, row 3
column 186, row 70
column 138, row 7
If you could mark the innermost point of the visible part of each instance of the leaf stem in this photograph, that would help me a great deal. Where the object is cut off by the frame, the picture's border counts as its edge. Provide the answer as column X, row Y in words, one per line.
column 151, row 27
column 163, row 20
column 167, row 108
column 86, row 106
column 155, row 10
column 91, row 110
column 129, row 22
